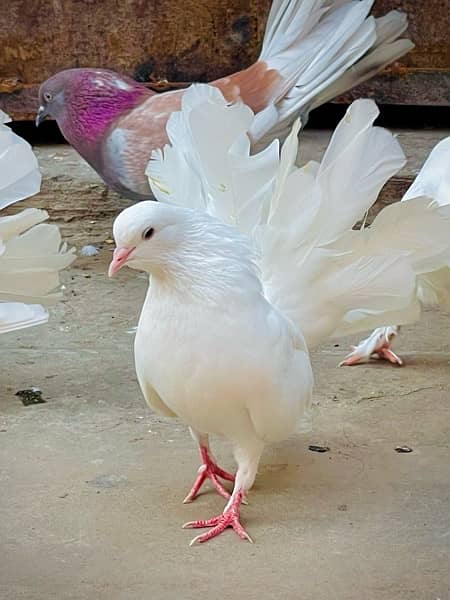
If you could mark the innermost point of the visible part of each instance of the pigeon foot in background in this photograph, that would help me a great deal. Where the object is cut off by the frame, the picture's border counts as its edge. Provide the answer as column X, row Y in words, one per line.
column 378, row 345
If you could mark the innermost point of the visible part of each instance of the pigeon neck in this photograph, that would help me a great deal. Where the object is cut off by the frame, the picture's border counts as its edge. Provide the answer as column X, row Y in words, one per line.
column 85, row 124
column 211, row 282
column 205, row 272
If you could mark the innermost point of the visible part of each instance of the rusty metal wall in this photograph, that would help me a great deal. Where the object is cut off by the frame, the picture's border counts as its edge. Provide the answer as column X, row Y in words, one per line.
column 423, row 76
column 193, row 40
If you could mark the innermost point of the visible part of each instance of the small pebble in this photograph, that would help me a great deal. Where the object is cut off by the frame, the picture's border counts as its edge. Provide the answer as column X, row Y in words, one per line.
column 108, row 481
column 403, row 449
column 30, row 396
column 318, row 448
column 89, row 250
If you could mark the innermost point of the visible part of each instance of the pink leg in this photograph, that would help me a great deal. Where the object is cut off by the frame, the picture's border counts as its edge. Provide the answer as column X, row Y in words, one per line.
column 384, row 352
column 353, row 359
column 387, row 353
column 377, row 345
column 209, row 470
column 229, row 518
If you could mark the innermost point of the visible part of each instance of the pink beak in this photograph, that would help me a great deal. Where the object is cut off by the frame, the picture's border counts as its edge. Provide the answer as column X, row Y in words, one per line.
column 120, row 257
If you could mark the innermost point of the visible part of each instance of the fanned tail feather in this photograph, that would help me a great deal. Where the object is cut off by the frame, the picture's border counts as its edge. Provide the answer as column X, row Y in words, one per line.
column 19, row 170
column 356, row 321
column 434, row 289
column 16, row 315
column 320, row 49
column 316, row 269
column 32, row 256
column 221, row 178
column 433, row 181
column 31, row 252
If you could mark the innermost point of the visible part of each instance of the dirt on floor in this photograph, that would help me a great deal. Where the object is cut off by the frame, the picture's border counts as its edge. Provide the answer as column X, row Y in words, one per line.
column 92, row 482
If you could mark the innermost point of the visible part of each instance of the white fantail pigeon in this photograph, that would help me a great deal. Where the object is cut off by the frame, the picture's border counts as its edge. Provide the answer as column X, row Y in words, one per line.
column 249, row 257
column 31, row 252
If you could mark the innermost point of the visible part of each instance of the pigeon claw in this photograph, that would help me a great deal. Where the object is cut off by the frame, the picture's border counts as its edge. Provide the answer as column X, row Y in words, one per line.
column 383, row 353
column 386, row 353
column 209, row 470
column 229, row 518
column 378, row 345
column 354, row 359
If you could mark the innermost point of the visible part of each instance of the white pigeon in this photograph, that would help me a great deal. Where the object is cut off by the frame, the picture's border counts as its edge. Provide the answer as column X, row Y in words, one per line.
column 31, row 252
column 433, row 288
column 221, row 341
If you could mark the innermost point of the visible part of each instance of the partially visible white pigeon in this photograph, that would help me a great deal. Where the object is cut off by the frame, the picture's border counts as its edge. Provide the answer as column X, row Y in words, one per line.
column 220, row 340
column 433, row 288
column 19, row 170
column 31, row 252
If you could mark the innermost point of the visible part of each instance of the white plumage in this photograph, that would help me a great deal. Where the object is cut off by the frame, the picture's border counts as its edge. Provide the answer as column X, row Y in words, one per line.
column 210, row 348
column 220, row 342
column 31, row 252
column 433, row 281
column 301, row 219
column 19, row 175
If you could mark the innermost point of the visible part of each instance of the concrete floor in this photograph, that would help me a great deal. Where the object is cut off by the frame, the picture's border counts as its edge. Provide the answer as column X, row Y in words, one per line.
column 92, row 482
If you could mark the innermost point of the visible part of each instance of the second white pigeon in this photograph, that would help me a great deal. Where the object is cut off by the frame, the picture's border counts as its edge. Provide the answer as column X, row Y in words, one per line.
column 433, row 287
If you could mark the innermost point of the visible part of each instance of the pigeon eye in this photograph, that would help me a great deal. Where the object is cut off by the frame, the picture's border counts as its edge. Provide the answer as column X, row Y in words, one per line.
column 148, row 233
column 48, row 97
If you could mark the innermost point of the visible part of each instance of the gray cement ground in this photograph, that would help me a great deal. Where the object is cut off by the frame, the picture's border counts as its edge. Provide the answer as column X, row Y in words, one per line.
column 92, row 482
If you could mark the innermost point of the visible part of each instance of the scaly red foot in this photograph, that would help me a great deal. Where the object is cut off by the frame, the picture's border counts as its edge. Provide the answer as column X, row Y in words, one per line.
column 377, row 345
column 386, row 353
column 229, row 518
column 209, row 470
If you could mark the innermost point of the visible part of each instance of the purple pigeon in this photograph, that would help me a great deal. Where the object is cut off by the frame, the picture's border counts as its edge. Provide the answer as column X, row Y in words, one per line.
column 312, row 51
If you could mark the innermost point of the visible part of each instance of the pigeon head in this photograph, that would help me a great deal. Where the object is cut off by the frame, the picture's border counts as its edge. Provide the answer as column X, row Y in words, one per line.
column 86, row 102
column 192, row 250
column 147, row 235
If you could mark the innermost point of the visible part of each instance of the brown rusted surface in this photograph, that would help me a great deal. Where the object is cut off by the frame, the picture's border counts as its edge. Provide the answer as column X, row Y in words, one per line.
column 429, row 26
column 162, row 41
column 422, row 77
column 421, row 88
column 21, row 103
column 152, row 40
column 10, row 84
